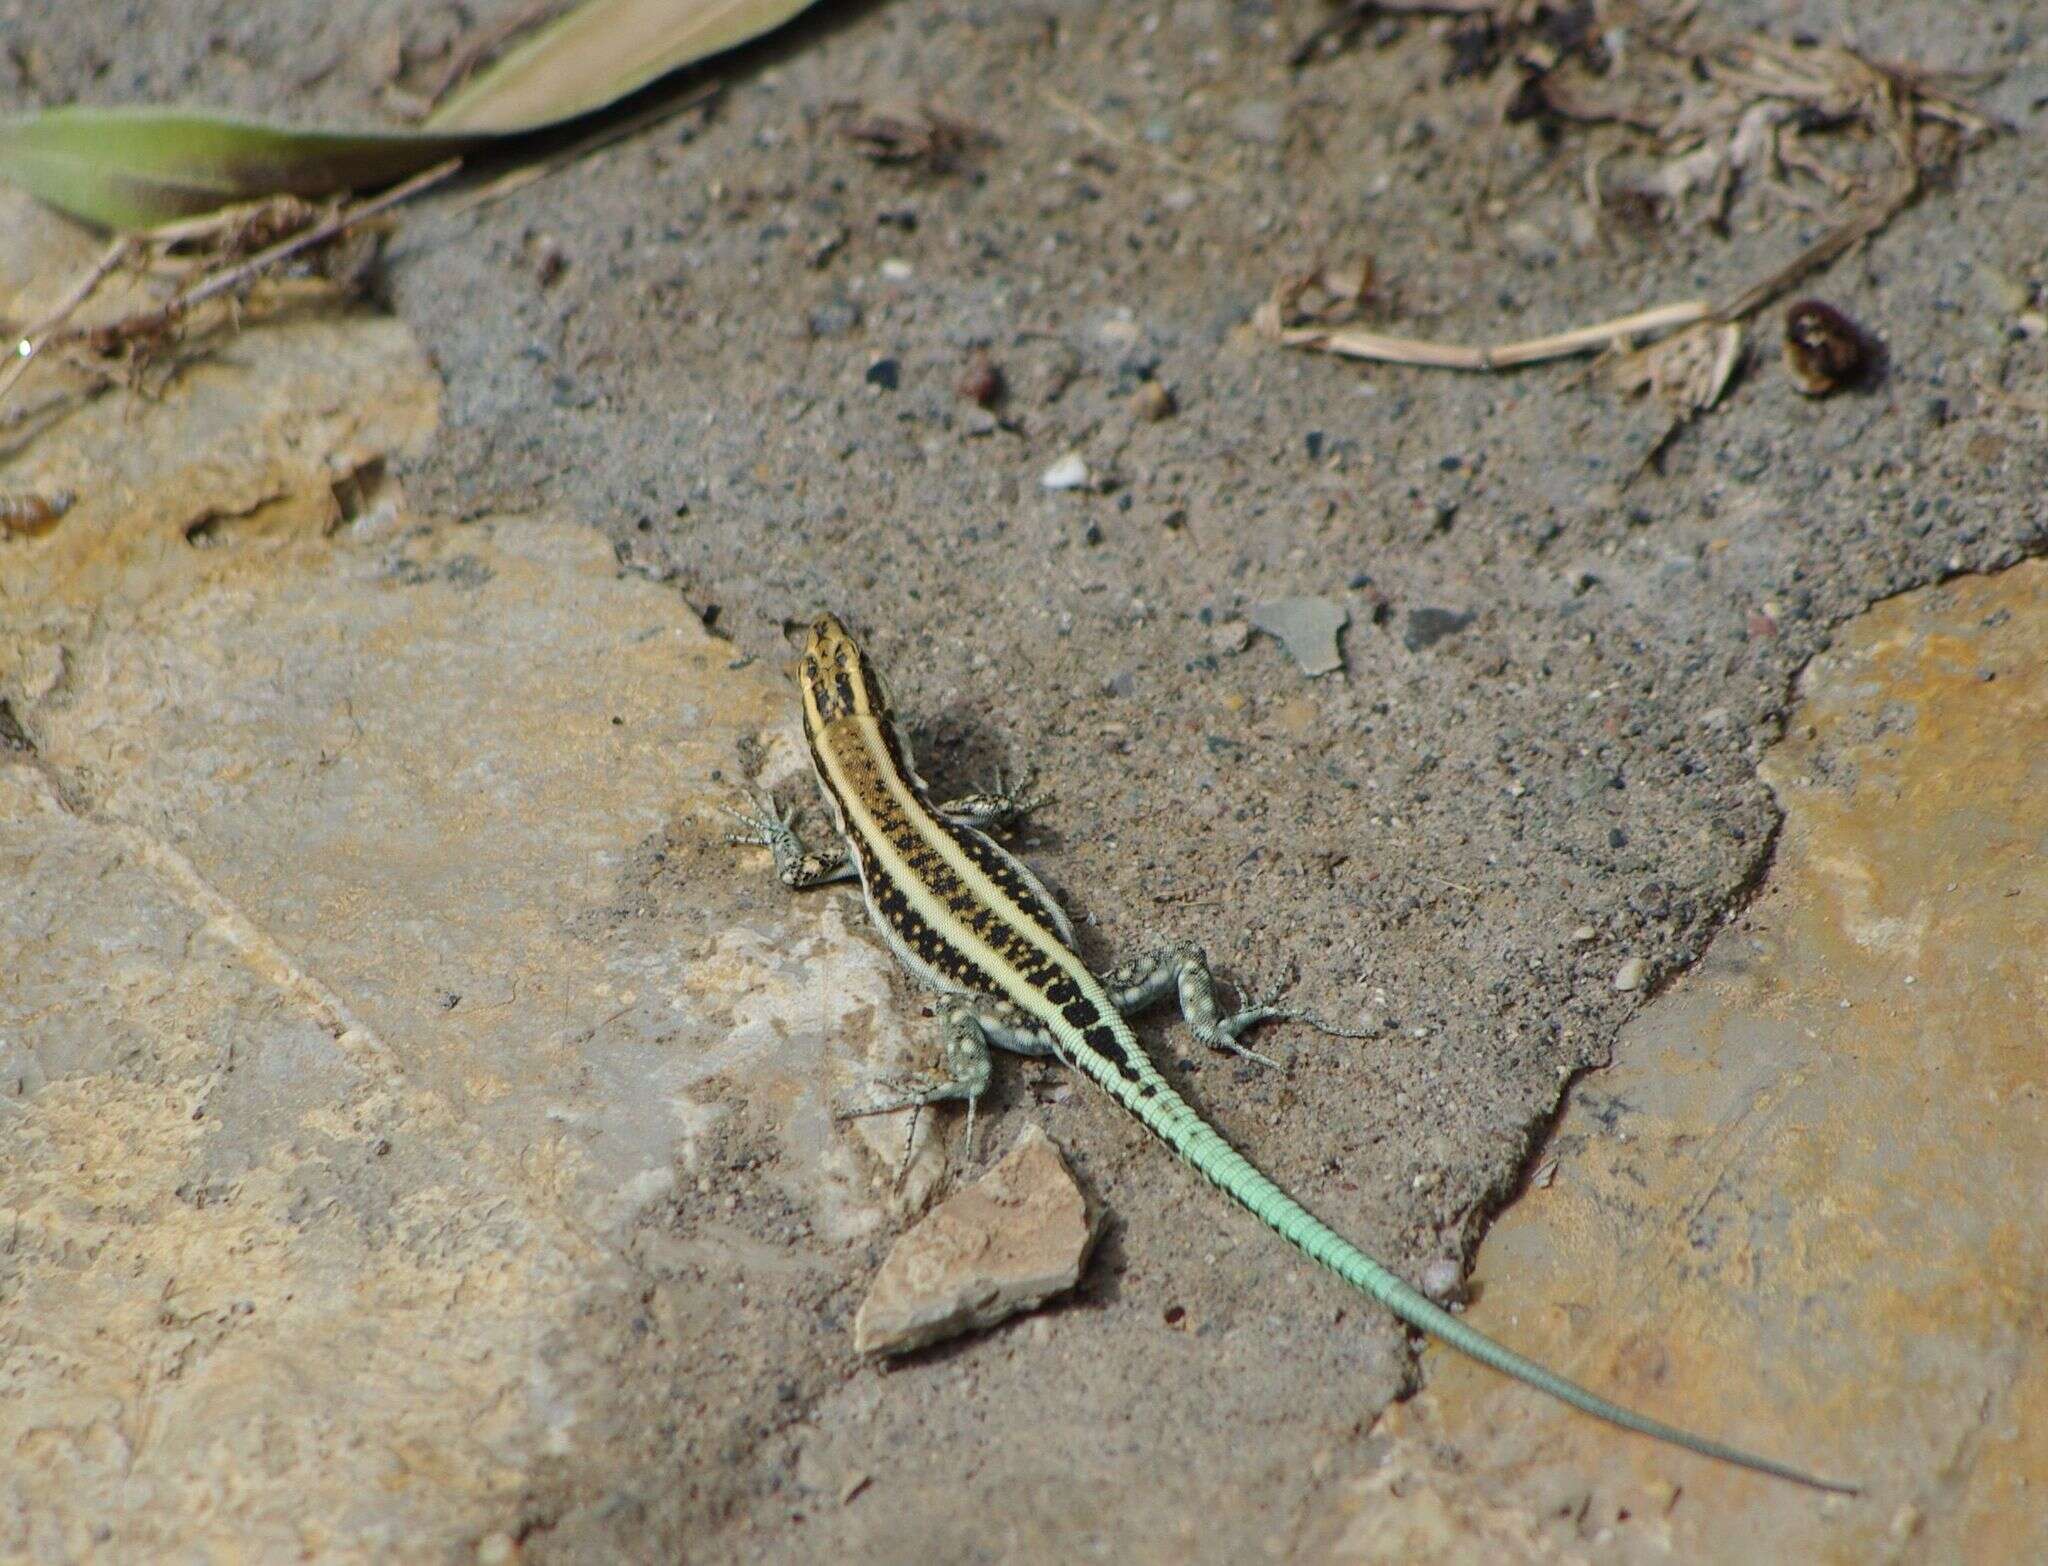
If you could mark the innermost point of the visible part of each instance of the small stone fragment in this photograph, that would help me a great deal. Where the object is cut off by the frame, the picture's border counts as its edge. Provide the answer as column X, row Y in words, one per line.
column 885, row 373
column 1016, row 1237
column 1262, row 121
column 1229, row 636
column 1307, row 628
column 981, row 383
column 1427, row 627
column 1444, row 1281
column 1629, row 976
column 1152, row 402
column 834, row 318
column 1070, row 472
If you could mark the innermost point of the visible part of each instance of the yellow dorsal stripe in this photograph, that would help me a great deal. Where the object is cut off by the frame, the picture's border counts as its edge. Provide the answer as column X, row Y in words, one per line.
column 865, row 733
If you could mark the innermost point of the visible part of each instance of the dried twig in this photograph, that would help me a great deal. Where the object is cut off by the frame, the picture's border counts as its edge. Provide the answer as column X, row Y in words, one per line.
column 1845, row 236
column 229, row 234
column 234, row 277
column 1354, row 343
column 39, row 336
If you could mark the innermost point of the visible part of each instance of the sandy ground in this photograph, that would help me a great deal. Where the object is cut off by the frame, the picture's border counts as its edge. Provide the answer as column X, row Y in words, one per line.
column 731, row 344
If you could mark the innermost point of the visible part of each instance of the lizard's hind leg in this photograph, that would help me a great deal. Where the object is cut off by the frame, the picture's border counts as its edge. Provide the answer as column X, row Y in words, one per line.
column 1182, row 967
column 995, row 808
column 965, row 1077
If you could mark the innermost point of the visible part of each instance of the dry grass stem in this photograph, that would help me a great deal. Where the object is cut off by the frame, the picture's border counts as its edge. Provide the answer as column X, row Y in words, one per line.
column 39, row 336
column 234, row 249
column 1356, row 343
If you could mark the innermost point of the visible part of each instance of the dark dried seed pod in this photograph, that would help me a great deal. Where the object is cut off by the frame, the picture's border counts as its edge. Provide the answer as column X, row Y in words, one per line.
column 1824, row 349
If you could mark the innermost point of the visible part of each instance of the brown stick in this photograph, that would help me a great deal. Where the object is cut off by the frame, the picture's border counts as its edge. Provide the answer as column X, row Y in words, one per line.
column 1356, row 344
column 45, row 331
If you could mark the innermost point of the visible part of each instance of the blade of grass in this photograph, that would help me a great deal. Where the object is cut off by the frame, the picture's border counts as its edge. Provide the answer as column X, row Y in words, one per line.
column 133, row 169
column 137, row 168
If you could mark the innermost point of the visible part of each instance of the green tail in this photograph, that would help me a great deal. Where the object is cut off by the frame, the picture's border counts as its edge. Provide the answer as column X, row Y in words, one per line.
column 1170, row 1117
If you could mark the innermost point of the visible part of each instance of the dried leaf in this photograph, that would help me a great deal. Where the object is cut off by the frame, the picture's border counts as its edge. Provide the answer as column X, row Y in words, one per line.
column 599, row 53
column 914, row 133
column 1687, row 371
column 1328, row 294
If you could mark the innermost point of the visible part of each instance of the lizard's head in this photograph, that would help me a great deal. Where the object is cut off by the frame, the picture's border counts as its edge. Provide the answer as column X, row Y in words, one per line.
column 837, row 678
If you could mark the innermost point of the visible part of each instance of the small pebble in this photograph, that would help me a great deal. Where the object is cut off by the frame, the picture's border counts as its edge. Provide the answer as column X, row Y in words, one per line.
column 834, row 318
column 1444, row 1281
column 896, row 271
column 1584, row 933
column 981, row 383
column 1262, row 121
column 1152, row 402
column 1070, row 472
column 1629, row 976
column 1427, row 627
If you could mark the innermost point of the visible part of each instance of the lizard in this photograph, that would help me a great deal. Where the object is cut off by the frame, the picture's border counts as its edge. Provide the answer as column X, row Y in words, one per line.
column 974, row 925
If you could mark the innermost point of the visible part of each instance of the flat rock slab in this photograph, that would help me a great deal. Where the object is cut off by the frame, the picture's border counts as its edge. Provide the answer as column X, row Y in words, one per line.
column 1010, row 1241
column 1802, row 1210
column 378, row 995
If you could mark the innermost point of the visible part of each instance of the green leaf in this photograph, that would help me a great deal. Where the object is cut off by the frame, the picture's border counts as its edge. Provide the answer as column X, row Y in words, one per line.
column 136, row 168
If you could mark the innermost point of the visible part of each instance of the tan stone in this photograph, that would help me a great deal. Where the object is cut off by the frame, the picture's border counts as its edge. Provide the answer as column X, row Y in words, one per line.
column 1808, row 1217
column 1012, row 1240
column 342, row 1050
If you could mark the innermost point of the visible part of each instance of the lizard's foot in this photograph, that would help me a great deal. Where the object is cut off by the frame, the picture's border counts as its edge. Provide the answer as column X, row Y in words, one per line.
column 767, row 824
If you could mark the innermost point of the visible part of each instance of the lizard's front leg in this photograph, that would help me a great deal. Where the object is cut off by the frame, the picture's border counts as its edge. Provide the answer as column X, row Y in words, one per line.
column 993, row 809
column 767, row 825
column 1183, row 967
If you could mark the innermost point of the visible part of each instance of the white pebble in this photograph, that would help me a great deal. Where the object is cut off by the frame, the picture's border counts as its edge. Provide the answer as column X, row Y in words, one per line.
column 1629, row 976
column 1070, row 472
